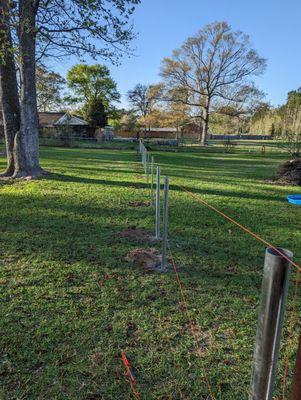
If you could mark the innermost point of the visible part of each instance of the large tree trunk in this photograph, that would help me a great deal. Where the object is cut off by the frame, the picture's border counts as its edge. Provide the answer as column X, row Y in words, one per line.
column 200, row 132
column 205, row 125
column 9, row 88
column 27, row 140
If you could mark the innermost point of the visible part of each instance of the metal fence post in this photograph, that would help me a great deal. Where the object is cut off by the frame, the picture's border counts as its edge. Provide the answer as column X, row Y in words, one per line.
column 271, row 314
column 152, row 182
column 165, row 225
column 145, row 160
column 147, row 168
column 158, row 192
column 139, row 146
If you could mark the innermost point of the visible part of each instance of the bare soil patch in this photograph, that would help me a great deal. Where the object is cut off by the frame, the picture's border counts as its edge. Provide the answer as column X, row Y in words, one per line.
column 147, row 259
column 132, row 233
column 139, row 203
column 137, row 185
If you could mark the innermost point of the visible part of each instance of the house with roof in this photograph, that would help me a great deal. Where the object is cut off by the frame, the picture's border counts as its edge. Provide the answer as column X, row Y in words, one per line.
column 57, row 123
column 53, row 124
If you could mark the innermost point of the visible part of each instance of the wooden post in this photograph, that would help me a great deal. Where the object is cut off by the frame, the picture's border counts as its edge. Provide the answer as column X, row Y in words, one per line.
column 296, row 385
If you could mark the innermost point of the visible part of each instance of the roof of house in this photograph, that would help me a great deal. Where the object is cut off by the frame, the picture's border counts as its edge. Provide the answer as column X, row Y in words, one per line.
column 50, row 119
column 60, row 118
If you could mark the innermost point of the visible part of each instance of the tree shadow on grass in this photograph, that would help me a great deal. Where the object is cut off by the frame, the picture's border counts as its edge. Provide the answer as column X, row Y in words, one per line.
column 95, row 181
column 69, row 229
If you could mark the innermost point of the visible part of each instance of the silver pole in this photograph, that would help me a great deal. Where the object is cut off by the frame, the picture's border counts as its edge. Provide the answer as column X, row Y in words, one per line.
column 271, row 314
column 147, row 168
column 158, row 203
column 145, row 161
column 165, row 225
column 152, row 182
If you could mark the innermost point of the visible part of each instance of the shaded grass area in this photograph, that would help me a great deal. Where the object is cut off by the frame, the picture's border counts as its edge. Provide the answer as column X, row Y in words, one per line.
column 70, row 303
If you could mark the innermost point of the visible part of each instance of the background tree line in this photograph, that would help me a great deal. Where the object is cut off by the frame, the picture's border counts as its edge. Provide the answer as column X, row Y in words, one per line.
column 208, row 79
column 32, row 31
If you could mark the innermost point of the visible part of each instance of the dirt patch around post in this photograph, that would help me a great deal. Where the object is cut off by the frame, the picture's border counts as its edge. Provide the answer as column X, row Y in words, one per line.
column 139, row 204
column 146, row 259
column 132, row 233
column 137, row 185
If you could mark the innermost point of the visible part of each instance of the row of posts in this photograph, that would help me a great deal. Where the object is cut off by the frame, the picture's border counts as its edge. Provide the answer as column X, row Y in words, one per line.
column 155, row 199
column 273, row 294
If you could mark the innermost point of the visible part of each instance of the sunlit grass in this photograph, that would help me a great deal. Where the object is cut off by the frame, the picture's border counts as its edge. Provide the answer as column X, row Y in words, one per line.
column 70, row 303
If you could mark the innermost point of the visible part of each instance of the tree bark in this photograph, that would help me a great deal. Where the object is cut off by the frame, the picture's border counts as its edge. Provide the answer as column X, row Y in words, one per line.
column 205, row 123
column 201, row 133
column 27, row 140
column 9, row 88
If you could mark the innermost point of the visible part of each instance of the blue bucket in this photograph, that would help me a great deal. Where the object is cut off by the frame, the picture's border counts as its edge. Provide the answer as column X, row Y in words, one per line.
column 294, row 199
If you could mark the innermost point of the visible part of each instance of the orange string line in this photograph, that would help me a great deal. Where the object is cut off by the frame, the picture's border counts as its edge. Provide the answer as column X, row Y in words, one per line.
column 294, row 318
column 187, row 313
column 132, row 383
column 266, row 243
column 243, row 228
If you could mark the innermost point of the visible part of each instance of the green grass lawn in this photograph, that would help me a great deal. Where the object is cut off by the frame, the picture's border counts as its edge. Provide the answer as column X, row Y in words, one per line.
column 70, row 303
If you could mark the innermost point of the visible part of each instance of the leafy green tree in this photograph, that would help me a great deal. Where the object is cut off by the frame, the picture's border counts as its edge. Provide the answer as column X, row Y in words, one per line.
column 127, row 121
column 49, row 89
column 95, row 113
column 92, row 86
column 51, row 29
column 290, row 130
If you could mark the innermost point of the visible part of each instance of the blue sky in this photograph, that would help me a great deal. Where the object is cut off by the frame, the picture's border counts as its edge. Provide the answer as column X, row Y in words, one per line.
column 162, row 25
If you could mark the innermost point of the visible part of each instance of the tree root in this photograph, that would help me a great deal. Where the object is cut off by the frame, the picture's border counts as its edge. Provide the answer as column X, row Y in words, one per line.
column 27, row 175
column 35, row 173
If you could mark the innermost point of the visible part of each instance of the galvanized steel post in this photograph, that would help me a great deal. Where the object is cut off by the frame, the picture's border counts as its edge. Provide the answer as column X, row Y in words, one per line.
column 271, row 313
column 147, row 168
column 145, row 160
column 158, row 193
column 165, row 226
column 152, row 182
